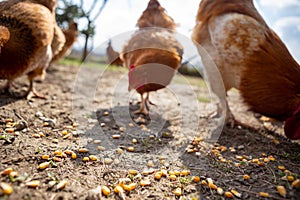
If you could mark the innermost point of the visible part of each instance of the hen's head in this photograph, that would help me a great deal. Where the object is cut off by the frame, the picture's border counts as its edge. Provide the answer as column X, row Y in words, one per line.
column 153, row 4
column 292, row 125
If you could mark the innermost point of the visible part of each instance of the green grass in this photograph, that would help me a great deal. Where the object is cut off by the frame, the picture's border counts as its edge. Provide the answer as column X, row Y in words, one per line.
column 195, row 81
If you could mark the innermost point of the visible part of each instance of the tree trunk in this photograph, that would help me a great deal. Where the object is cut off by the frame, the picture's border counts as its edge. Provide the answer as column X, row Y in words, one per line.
column 85, row 49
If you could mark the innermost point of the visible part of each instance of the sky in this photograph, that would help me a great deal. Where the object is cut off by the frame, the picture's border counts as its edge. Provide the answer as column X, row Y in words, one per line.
column 119, row 18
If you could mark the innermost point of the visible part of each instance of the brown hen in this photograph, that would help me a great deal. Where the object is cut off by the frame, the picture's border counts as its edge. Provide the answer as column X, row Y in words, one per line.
column 152, row 55
column 250, row 57
column 25, row 41
column 113, row 57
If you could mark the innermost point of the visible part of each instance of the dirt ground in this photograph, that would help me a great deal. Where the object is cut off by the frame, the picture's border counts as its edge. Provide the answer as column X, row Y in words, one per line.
column 91, row 108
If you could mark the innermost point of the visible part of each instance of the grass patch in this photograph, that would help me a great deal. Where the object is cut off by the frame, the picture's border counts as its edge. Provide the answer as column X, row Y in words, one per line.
column 195, row 81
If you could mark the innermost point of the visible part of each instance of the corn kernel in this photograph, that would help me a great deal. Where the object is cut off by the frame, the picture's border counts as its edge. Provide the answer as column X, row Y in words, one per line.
column 56, row 159
column 296, row 183
column 271, row 158
column 204, row 183
column 129, row 187
column 14, row 174
column 108, row 161
column 67, row 136
column 45, row 157
column 33, row 184
column 36, row 135
column 9, row 120
column 105, row 190
column 246, row 177
column 212, row 186
column 93, row 158
column 173, row 177
column 264, row 194
column 116, row 136
column 6, row 171
column 150, row 164
column 185, row 172
column 220, row 191
column 6, row 188
column 9, row 130
column 228, row 195
column 290, row 178
column 118, row 189
column 134, row 141
column 44, row 165
column 119, row 151
column 130, row 149
column 209, row 180
column 68, row 152
column 101, row 148
column 281, row 167
column 64, row 132
column 158, row 175
column 55, row 141
column 83, row 150
column 85, row 159
column 196, row 179
column 236, row 193
column 41, row 134
column 74, row 156
column 61, row 185
column 178, row 191
column 133, row 172
column 281, row 190
column 145, row 182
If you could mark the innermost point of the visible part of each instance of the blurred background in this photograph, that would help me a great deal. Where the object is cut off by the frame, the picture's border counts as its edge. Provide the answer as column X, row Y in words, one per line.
column 102, row 20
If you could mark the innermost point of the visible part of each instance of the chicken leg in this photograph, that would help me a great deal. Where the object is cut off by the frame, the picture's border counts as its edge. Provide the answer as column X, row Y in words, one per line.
column 143, row 106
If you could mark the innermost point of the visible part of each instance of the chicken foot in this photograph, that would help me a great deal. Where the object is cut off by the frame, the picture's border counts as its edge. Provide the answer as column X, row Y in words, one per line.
column 31, row 92
column 143, row 106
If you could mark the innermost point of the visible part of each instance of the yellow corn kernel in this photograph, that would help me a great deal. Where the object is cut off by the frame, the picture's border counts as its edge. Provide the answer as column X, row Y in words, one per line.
column 33, row 184
column 44, row 165
column 212, row 186
column 185, row 172
column 67, row 136
column 133, row 172
column 172, row 177
column 118, row 189
column 129, row 187
column 271, row 158
column 45, row 157
column 64, row 132
column 177, row 173
column 281, row 167
column 150, row 163
column 41, row 134
column 119, row 151
column 6, row 188
column 204, row 183
column 116, row 136
column 9, row 130
column 57, row 152
column 264, row 194
column 134, row 141
column 157, row 175
column 130, row 149
column 228, row 195
column 93, row 158
column 101, row 148
column 85, row 159
column 178, row 191
column 61, row 185
column 209, row 180
column 83, row 150
column 56, row 159
column 145, row 182
column 296, row 183
column 6, row 171
column 281, row 190
column 196, row 179
column 290, row 178
column 68, row 152
column 105, row 190
column 9, row 120
column 74, row 156
column 171, row 173
column 36, row 135
column 246, row 177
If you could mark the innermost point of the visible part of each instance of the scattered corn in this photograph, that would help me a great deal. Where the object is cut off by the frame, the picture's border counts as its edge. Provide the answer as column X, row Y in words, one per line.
column 93, row 158
column 281, row 167
column 150, row 163
column 281, row 190
column 133, row 172
column 67, row 136
column 236, row 193
column 105, row 113
column 105, row 190
column 83, row 150
column 56, row 159
column 85, row 159
column 212, row 186
column 122, row 129
column 158, row 175
column 246, row 177
column 130, row 149
column 6, row 171
column 129, row 187
column 290, row 178
column 14, row 174
column 173, row 177
column 228, row 195
column 185, row 172
column 119, row 151
column 101, row 148
column 36, row 135
column 118, row 189
column 116, row 136
column 74, row 156
column 271, row 158
column 134, row 141
column 64, row 132
column 44, row 165
column 55, row 141
column 296, row 183
column 145, row 182
column 196, row 179
column 6, row 188
column 61, row 185
column 9, row 120
column 33, row 184
column 9, row 130
column 108, row 161
column 68, row 152
column 209, row 180
column 264, row 194
column 220, row 191
column 178, row 191
column 204, row 183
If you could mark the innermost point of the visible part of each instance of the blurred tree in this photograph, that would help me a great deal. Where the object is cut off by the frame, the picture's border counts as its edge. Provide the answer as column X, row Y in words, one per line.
column 68, row 10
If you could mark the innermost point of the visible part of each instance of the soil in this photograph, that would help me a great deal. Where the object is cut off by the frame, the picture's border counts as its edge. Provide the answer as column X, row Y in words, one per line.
column 91, row 108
